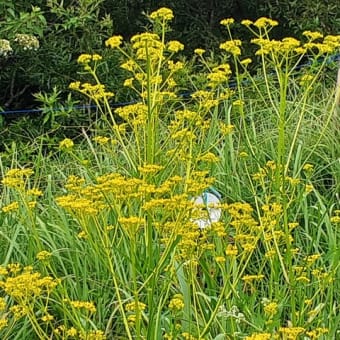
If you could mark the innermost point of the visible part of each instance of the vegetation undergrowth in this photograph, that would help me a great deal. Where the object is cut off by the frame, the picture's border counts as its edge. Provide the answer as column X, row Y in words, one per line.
column 107, row 241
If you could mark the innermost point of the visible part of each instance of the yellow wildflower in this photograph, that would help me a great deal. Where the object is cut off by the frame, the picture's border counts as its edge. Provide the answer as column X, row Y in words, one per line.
column 238, row 102
column 317, row 332
column 265, row 22
column 270, row 308
column 220, row 259
column 243, row 154
column 308, row 167
column 176, row 303
column 335, row 219
column 114, row 42
column 231, row 250
column 101, row 140
column 312, row 35
column 291, row 333
column 71, row 332
column 47, row 317
column 250, row 278
column 175, row 66
column 175, row 46
column 84, row 59
column 34, row 192
column 44, row 255
column 3, row 323
column 246, row 22
column 209, row 157
column 66, row 143
column 10, row 207
column 75, row 85
column 150, row 168
column 2, row 304
column 133, row 306
column 88, row 306
column 227, row 22
column 246, row 61
column 309, row 188
column 18, row 311
column 163, row 13
column 199, row 51
column 232, row 46
column 128, row 82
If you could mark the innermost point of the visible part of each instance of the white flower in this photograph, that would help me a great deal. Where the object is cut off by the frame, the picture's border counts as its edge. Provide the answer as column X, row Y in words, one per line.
column 5, row 47
column 27, row 41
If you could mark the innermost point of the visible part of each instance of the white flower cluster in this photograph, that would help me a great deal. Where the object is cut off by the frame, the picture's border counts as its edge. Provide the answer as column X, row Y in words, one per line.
column 27, row 41
column 5, row 47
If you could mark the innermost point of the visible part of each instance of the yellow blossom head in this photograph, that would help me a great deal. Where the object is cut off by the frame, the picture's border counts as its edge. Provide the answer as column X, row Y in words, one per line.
column 114, row 42
column 227, row 22
column 175, row 46
column 312, row 35
column 66, row 143
column 199, row 51
column 265, row 22
column 246, row 22
column 164, row 14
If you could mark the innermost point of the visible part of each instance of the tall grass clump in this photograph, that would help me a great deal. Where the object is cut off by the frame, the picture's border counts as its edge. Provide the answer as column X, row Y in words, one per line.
column 107, row 239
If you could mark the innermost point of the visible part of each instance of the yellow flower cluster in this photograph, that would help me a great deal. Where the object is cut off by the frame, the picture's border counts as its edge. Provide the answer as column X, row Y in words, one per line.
column 260, row 23
column 232, row 47
column 231, row 250
column 227, row 22
column 147, row 45
column 16, row 178
column 317, row 333
column 65, row 332
column 101, row 140
column 44, row 255
column 95, row 92
column 150, row 169
column 199, row 51
column 291, row 333
column 293, row 46
column 86, row 206
column 219, row 75
column 10, row 207
column 284, row 46
column 163, row 13
column 133, row 306
column 131, row 224
column 114, row 42
column 270, row 308
column 312, row 35
column 87, row 58
column 336, row 217
column 265, row 22
column 251, row 278
column 133, row 114
column 85, row 305
column 25, row 284
column 176, row 303
column 93, row 335
column 66, row 144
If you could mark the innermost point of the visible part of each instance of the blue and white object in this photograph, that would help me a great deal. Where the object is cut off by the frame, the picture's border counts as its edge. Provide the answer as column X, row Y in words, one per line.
column 209, row 199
